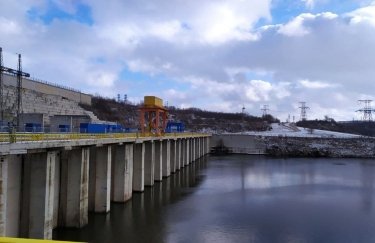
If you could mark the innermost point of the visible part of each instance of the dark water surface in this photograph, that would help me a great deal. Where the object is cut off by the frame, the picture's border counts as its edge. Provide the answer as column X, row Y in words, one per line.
column 246, row 199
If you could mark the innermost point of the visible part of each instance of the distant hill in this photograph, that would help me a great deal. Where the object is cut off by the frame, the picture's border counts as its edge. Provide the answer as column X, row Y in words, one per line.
column 354, row 127
column 194, row 119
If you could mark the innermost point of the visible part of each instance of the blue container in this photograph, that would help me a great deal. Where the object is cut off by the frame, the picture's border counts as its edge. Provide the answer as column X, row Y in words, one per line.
column 114, row 128
column 92, row 128
column 175, row 127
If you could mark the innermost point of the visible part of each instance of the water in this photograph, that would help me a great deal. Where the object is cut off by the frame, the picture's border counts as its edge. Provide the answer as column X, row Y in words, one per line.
column 246, row 199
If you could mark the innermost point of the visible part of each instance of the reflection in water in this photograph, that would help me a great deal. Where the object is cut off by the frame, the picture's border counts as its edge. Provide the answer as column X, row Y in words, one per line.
column 247, row 199
column 367, row 180
column 142, row 218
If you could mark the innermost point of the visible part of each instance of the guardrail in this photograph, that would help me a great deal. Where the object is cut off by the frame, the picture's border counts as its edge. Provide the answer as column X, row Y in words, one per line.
column 30, row 137
column 20, row 240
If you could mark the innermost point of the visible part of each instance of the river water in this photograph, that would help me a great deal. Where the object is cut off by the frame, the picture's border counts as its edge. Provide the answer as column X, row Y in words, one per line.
column 246, row 199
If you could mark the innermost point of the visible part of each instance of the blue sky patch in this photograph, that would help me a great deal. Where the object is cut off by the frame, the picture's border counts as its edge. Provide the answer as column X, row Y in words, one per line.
column 82, row 14
column 139, row 82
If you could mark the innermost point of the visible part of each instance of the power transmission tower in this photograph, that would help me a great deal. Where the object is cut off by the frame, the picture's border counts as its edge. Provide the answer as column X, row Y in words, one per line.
column 265, row 110
column 1, row 86
column 304, row 108
column 19, row 75
column 19, row 91
column 367, row 110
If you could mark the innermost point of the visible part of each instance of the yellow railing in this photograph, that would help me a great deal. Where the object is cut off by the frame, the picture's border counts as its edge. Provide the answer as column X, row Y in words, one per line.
column 19, row 240
column 30, row 137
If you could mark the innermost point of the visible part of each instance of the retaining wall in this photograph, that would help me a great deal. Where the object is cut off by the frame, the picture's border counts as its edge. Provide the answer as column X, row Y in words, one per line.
column 47, row 88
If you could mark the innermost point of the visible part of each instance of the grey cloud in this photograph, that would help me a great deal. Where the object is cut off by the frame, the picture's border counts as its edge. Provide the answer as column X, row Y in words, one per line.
column 333, row 51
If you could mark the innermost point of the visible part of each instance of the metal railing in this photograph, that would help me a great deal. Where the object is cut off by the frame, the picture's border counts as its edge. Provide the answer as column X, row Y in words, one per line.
column 13, row 137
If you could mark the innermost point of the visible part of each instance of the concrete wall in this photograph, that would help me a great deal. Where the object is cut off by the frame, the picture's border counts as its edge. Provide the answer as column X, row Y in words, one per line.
column 296, row 146
column 72, row 121
column 35, row 102
column 238, row 143
column 32, row 118
column 51, row 89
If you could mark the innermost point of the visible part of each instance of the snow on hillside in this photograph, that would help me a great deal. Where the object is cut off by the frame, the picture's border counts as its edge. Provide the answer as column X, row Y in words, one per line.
column 290, row 130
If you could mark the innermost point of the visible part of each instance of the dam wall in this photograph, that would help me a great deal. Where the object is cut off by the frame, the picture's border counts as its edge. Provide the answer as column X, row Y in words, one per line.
column 239, row 143
column 284, row 146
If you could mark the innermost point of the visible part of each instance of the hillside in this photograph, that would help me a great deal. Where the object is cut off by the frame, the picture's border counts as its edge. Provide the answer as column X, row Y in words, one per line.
column 355, row 127
column 193, row 118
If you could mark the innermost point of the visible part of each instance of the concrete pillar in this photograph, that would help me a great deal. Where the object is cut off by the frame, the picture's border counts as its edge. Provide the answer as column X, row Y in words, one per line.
column 158, row 176
column 56, row 197
column 196, row 148
column 183, row 152
column 10, row 194
column 166, row 158
column 100, row 179
column 139, row 167
column 204, row 146
column 38, row 195
column 199, row 150
column 173, row 156
column 74, row 188
column 178, row 154
column 199, row 147
column 208, row 139
column 191, row 156
column 193, row 149
column 3, row 194
column 149, row 163
column 187, row 147
column 13, row 195
column 129, row 159
column 122, row 173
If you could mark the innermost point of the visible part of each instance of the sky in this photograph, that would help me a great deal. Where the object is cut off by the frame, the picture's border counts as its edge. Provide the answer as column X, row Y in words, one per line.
column 219, row 55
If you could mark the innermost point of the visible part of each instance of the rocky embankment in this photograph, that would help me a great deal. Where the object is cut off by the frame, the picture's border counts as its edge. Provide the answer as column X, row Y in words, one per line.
column 319, row 147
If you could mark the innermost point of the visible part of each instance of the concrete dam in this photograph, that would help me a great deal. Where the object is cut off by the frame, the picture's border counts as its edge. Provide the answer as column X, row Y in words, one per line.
column 55, row 183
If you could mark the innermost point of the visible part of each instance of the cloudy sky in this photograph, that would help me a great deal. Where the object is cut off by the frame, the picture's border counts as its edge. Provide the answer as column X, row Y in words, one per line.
column 211, row 54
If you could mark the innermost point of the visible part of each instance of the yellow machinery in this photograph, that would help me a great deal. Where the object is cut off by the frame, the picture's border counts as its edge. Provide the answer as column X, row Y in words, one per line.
column 153, row 116
column 152, row 102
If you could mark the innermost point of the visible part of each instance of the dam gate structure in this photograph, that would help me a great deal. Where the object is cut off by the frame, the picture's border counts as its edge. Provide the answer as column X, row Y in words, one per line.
column 53, row 183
